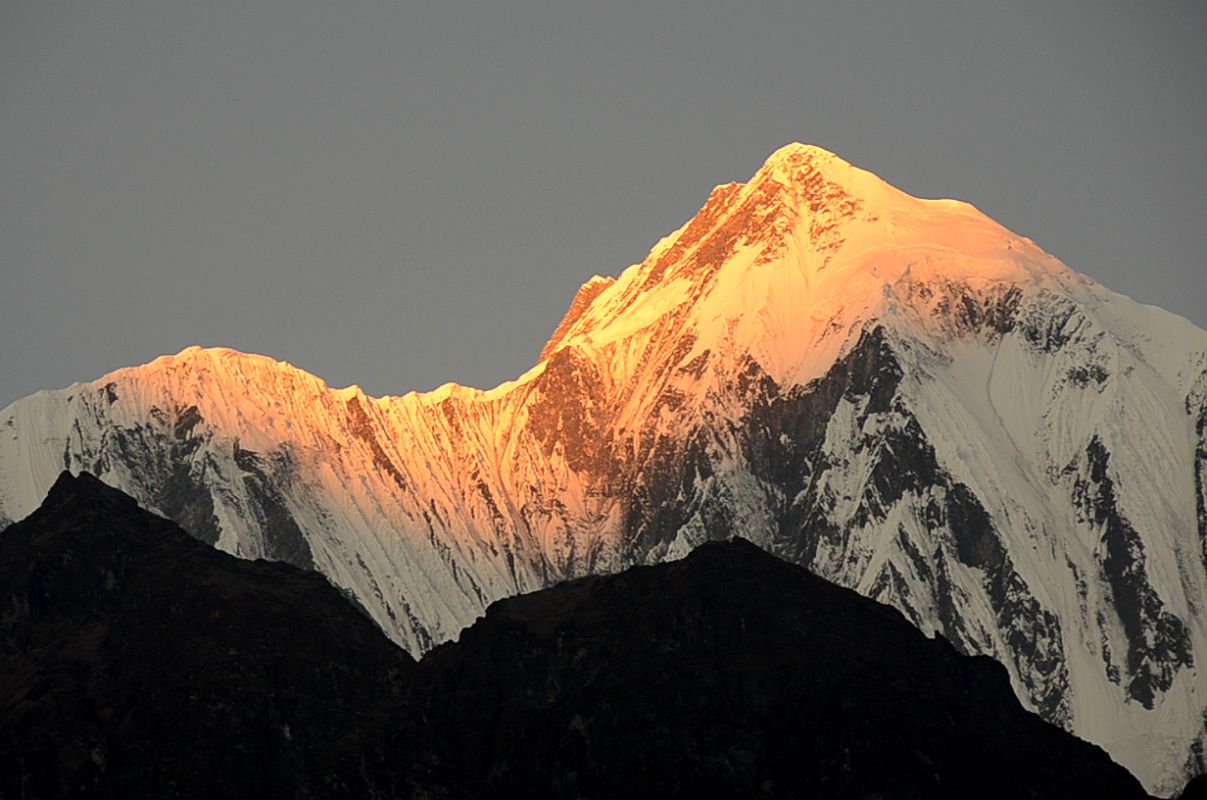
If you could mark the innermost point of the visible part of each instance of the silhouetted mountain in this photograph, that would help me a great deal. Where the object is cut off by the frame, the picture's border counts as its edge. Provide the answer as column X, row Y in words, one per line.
column 734, row 674
column 139, row 662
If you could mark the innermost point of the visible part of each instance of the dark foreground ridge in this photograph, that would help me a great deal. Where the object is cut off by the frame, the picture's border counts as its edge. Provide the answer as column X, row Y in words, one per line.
column 137, row 661
column 732, row 673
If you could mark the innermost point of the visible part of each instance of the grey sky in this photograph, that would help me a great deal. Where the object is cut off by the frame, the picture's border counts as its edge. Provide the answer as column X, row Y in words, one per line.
column 397, row 195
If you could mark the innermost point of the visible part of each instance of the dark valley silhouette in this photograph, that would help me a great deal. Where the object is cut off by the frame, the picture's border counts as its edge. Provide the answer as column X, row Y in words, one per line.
column 138, row 661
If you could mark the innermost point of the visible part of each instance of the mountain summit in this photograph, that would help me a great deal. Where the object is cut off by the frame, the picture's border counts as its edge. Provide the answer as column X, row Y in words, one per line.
column 899, row 394
column 810, row 245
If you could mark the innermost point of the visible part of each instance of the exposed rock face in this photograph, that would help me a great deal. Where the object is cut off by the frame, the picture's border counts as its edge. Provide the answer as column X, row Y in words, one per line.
column 137, row 662
column 899, row 394
column 1196, row 407
column 1158, row 643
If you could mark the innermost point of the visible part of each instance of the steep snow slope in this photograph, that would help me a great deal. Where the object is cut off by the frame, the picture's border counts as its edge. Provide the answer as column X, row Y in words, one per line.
column 898, row 393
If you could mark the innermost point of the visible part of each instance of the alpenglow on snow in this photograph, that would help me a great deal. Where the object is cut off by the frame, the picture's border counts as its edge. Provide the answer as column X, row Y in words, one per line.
column 900, row 394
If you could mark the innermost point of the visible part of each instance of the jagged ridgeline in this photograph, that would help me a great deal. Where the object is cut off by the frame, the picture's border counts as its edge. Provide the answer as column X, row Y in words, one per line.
column 138, row 662
column 899, row 394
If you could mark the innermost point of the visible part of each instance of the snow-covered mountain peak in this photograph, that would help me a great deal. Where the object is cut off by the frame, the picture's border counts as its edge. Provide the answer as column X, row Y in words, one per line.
column 799, row 167
column 798, row 150
column 216, row 369
column 899, row 393
column 199, row 357
column 811, row 246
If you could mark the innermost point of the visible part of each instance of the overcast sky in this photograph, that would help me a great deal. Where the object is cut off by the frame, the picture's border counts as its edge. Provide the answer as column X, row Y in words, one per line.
column 398, row 194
